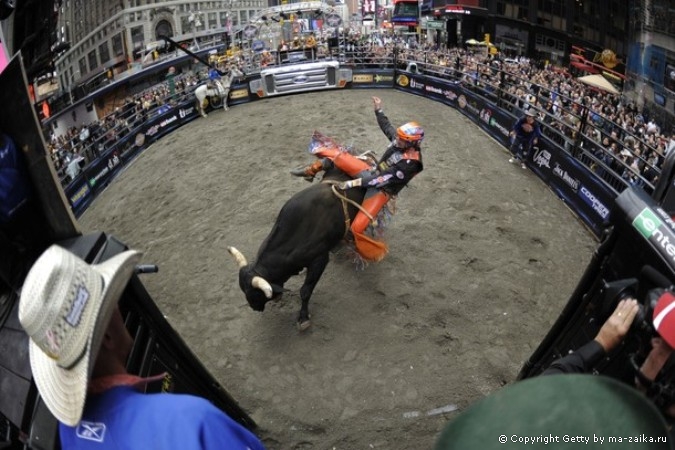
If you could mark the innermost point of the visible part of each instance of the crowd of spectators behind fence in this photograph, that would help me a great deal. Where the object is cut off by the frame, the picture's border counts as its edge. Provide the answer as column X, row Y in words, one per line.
column 613, row 137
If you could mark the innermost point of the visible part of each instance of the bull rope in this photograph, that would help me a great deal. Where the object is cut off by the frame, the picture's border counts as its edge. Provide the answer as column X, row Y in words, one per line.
column 346, row 200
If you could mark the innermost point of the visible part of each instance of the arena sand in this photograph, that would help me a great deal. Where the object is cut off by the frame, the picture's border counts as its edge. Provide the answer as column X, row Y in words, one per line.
column 483, row 258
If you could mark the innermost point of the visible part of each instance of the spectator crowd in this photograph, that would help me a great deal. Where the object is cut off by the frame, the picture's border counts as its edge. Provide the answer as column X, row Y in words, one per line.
column 616, row 137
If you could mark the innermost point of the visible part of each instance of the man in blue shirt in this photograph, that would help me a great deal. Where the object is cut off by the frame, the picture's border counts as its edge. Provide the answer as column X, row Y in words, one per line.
column 524, row 134
column 78, row 348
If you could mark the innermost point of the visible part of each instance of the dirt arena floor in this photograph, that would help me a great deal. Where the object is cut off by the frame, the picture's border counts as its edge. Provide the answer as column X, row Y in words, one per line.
column 483, row 258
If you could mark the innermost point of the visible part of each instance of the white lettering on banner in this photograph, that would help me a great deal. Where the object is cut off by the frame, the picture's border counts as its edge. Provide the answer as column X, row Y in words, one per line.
column 450, row 95
column 596, row 204
column 167, row 121
column 563, row 175
column 416, row 85
column 113, row 162
column 542, row 158
column 185, row 112
column 101, row 174
column 434, row 89
column 499, row 126
column 152, row 130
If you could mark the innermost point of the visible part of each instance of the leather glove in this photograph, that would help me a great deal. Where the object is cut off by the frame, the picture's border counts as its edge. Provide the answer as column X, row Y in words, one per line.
column 350, row 184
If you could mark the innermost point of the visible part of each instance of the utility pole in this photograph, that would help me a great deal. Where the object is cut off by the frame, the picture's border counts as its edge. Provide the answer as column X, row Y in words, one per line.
column 419, row 22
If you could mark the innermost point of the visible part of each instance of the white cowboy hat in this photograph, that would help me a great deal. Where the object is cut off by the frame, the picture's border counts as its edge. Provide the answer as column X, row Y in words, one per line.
column 65, row 307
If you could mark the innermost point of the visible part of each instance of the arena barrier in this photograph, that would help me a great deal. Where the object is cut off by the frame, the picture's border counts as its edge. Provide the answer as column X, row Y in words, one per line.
column 587, row 195
column 574, row 184
column 43, row 216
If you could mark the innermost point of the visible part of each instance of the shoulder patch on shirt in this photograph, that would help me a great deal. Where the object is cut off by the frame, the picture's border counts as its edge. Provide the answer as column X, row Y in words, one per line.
column 91, row 431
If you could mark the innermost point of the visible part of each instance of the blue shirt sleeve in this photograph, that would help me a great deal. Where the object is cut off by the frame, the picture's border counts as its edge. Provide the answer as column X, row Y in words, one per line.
column 218, row 431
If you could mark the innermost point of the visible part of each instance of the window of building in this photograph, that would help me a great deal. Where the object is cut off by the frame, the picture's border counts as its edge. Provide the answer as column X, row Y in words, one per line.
column 137, row 37
column 93, row 63
column 212, row 20
column 185, row 25
column 104, row 53
column 117, row 46
column 83, row 66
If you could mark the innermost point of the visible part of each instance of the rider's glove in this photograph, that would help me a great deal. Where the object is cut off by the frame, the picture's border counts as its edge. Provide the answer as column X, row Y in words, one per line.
column 350, row 184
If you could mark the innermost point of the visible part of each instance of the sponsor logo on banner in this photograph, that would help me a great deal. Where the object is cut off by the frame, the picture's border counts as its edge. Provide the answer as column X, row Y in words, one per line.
column 383, row 78
column 649, row 225
column 362, row 78
column 98, row 176
column 593, row 202
column 461, row 101
column 434, row 89
column 415, row 84
column 541, row 157
column 566, row 177
column 238, row 93
column 402, row 80
column 168, row 121
column 79, row 195
column 183, row 113
column 114, row 161
column 485, row 115
column 495, row 123
column 450, row 95
column 152, row 130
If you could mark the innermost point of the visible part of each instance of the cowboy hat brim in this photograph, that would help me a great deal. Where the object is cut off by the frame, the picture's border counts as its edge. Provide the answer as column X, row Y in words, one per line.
column 64, row 390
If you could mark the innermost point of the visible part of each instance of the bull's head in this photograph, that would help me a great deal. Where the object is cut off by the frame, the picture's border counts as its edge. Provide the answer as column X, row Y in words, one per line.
column 258, row 291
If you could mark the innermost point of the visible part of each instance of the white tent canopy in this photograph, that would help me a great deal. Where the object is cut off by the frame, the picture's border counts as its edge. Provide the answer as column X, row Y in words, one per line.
column 600, row 82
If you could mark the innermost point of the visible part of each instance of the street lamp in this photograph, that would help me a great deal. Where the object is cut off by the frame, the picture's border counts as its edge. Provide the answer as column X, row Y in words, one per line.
column 195, row 19
column 230, row 23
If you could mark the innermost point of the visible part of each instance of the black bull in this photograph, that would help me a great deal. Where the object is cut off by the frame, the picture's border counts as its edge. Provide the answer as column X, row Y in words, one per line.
column 309, row 225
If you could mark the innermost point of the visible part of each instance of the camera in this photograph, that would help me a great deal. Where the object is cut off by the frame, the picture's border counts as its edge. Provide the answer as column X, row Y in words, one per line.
column 638, row 341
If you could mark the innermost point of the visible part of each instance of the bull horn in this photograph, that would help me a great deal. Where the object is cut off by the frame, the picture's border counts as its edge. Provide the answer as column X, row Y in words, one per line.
column 238, row 256
column 262, row 284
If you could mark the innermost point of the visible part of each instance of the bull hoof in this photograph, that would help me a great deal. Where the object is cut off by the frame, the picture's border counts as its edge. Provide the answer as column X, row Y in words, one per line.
column 302, row 326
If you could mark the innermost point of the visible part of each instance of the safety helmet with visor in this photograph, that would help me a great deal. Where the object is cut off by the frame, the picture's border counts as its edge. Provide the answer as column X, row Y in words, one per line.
column 410, row 133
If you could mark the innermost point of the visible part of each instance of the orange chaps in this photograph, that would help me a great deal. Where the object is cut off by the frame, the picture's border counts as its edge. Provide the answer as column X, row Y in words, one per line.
column 354, row 167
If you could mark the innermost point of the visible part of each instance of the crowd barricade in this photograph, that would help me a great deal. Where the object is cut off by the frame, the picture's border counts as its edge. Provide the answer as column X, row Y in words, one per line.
column 587, row 193
column 100, row 172
column 589, row 197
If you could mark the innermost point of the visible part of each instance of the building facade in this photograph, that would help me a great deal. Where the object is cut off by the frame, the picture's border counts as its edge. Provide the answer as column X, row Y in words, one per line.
column 107, row 37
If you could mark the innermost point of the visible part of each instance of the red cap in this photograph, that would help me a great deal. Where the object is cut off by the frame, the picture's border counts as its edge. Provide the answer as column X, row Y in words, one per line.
column 664, row 318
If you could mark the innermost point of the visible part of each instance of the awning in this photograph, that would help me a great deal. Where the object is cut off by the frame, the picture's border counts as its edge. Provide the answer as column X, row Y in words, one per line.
column 599, row 82
column 585, row 67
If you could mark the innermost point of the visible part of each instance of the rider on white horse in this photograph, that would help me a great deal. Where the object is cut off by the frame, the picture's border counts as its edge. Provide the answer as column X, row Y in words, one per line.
column 218, row 87
column 214, row 80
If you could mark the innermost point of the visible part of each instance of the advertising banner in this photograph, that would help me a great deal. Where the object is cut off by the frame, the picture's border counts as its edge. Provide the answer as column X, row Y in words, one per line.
column 372, row 78
column 587, row 196
column 98, row 174
column 584, row 193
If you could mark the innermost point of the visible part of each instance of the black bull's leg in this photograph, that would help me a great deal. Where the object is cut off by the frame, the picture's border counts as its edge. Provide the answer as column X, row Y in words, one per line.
column 314, row 272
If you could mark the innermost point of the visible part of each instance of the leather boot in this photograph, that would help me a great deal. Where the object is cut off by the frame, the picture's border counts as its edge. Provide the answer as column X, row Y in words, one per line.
column 309, row 172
